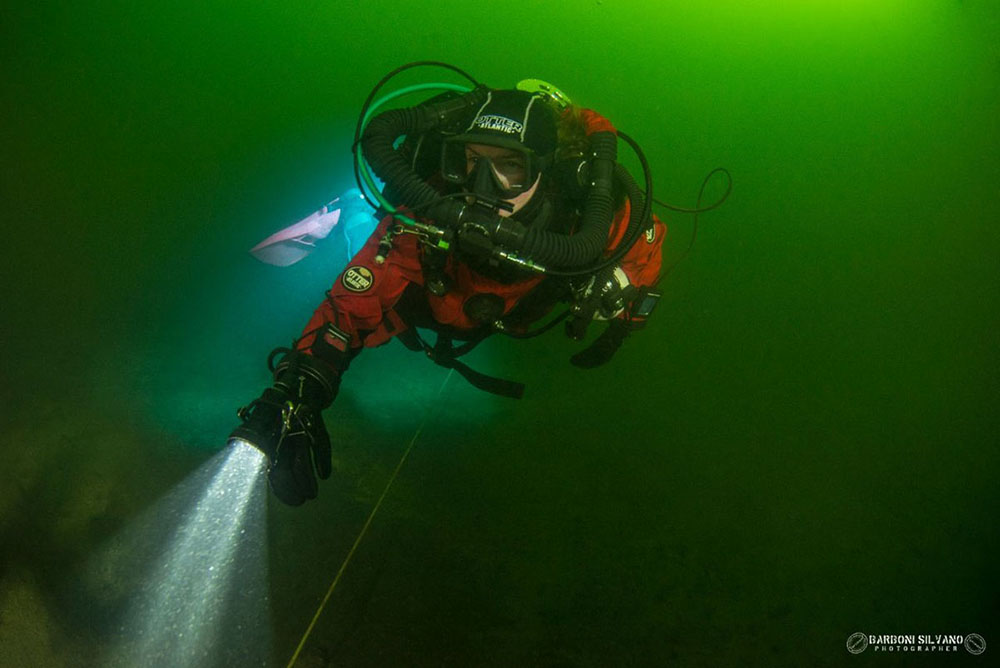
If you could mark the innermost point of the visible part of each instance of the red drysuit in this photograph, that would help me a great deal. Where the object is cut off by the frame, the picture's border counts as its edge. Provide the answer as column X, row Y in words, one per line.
column 362, row 302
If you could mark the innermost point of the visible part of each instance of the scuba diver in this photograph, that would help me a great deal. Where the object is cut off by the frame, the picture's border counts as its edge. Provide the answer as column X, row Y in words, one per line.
column 499, row 205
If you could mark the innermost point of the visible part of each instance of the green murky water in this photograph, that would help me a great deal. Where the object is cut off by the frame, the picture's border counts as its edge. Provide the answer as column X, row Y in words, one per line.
column 800, row 446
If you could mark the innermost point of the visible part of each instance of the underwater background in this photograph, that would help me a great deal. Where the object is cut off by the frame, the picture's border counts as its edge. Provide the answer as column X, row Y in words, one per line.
column 800, row 446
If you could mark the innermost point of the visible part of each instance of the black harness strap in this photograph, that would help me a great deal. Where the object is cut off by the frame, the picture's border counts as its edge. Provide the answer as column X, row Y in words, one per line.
column 443, row 353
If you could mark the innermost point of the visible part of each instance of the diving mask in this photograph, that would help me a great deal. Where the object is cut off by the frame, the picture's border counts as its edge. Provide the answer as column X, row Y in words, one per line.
column 512, row 168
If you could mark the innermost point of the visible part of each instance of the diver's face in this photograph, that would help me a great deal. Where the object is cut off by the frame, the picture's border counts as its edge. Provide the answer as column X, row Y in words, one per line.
column 508, row 165
column 510, row 169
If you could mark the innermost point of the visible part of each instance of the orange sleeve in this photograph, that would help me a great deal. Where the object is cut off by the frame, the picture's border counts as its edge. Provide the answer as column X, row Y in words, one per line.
column 643, row 261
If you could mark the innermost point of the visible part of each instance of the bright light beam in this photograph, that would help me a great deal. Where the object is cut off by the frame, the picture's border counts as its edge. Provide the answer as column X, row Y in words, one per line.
column 202, row 599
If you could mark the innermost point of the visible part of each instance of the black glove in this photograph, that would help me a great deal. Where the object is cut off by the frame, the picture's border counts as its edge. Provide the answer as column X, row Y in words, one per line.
column 286, row 424
column 604, row 346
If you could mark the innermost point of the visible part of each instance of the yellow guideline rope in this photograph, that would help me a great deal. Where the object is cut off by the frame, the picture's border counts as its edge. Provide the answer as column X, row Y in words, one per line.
column 364, row 529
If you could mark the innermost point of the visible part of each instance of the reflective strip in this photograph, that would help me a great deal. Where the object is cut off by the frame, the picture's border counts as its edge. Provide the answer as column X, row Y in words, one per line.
column 489, row 96
column 527, row 113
